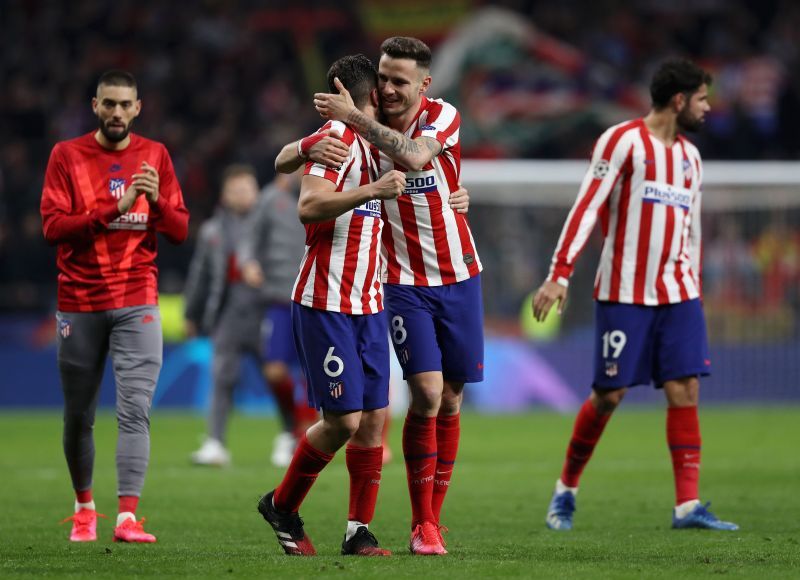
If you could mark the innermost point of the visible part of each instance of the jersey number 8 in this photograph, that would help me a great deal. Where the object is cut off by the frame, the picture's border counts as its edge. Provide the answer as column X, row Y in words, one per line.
column 399, row 333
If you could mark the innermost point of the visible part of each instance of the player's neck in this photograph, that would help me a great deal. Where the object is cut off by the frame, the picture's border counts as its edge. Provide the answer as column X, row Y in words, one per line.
column 111, row 145
column 402, row 122
column 663, row 125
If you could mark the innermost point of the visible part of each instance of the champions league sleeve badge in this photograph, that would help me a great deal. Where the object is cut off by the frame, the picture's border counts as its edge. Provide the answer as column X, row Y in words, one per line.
column 600, row 169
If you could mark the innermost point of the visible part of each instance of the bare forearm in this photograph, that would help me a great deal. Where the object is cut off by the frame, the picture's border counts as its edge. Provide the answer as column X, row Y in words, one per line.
column 320, row 206
column 288, row 160
column 413, row 154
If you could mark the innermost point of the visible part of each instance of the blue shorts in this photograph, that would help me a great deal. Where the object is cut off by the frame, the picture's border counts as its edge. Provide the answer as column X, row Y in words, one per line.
column 438, row 328
column 277, row 342
column 345, row 358
column 635, row 344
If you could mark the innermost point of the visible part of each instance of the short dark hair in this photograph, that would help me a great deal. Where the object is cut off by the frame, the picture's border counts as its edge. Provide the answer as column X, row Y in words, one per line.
column 407, row 47
column 676, row 76
column 358, row 75
column 117, row 78
column 238, row 170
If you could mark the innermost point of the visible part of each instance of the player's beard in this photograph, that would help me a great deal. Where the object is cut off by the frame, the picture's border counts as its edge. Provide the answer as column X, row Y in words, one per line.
column 688, row 123
column 114, row 137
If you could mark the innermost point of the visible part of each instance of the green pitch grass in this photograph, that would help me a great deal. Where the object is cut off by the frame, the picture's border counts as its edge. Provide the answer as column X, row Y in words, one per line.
column 207, row 524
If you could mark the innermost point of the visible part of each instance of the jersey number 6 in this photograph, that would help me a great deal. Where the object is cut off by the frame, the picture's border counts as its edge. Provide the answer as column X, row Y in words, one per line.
column 331, row 358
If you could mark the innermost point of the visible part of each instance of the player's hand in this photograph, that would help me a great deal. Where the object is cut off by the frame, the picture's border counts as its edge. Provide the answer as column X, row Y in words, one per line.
column 390, row 186
column 459, row 200
column 127, row 200
column 328, row 150
column 334, row 107
column 147, row 182
column 252, row 274
column 549, row 293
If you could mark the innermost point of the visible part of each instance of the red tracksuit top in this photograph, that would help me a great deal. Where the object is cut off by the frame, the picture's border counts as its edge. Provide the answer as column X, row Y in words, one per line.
column 107, row 260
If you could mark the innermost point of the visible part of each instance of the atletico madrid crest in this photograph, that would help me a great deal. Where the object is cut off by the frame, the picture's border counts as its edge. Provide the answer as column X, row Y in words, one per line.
column 687, row 169
column 64, row 328
column 611, row 369
column 403, row 355
column 116, row 186
column 335, row 389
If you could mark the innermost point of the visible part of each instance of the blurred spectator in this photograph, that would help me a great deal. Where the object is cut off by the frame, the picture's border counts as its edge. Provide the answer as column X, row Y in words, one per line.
column 232, row 81
column 777, row 256
column 729, row 271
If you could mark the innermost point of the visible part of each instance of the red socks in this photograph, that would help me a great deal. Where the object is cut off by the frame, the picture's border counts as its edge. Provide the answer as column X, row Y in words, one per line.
column 419, row 449
column 364, row 466
column 448, row 432
column 84, row 496
column 683, row 438
column 283, row 391
column 589, row 426
column 301, row 475
column 128, row 503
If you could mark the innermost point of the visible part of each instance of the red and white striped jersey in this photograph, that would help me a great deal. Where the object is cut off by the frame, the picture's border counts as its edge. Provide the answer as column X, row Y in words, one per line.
column 647, row 198
column 426, row 243
column 340, row 271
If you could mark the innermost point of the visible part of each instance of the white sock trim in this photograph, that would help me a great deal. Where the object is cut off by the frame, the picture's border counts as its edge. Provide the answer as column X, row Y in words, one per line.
column 684, row 509
column 122, row 516
column 352, row 528
column 89, row 505
column 561, row 488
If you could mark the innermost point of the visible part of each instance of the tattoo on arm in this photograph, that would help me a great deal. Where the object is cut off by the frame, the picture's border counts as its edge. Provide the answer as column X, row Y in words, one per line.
column 388, row 140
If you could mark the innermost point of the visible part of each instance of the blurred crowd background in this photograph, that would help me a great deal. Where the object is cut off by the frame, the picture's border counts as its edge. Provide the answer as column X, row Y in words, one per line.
column 232, row 81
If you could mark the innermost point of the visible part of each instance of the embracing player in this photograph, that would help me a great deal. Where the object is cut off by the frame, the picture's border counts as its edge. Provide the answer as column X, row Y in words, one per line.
column 644, row 184
column 432, row 280
column 340, row 329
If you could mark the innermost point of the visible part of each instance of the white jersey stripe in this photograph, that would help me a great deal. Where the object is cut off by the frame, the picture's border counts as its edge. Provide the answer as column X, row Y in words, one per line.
column 422, row 215
column 342, row 252
column 649, row 195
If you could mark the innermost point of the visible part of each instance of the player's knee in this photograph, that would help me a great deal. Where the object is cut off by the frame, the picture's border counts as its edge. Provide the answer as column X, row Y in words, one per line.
column 133, row 410
column 451, row 404
column 225, row 376
column 452, row 397
column 78, row 420
column 370, row 428
column 683, row 392
column 426, row 396
column 607, row 400
column 425, row 403
column 342, row 427
column 275, row 372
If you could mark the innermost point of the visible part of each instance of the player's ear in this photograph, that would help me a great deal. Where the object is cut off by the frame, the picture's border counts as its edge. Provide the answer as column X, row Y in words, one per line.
column 138, row 108
column 679, row 102
column 94, row 105
column 374, row 99
column 426, row 82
